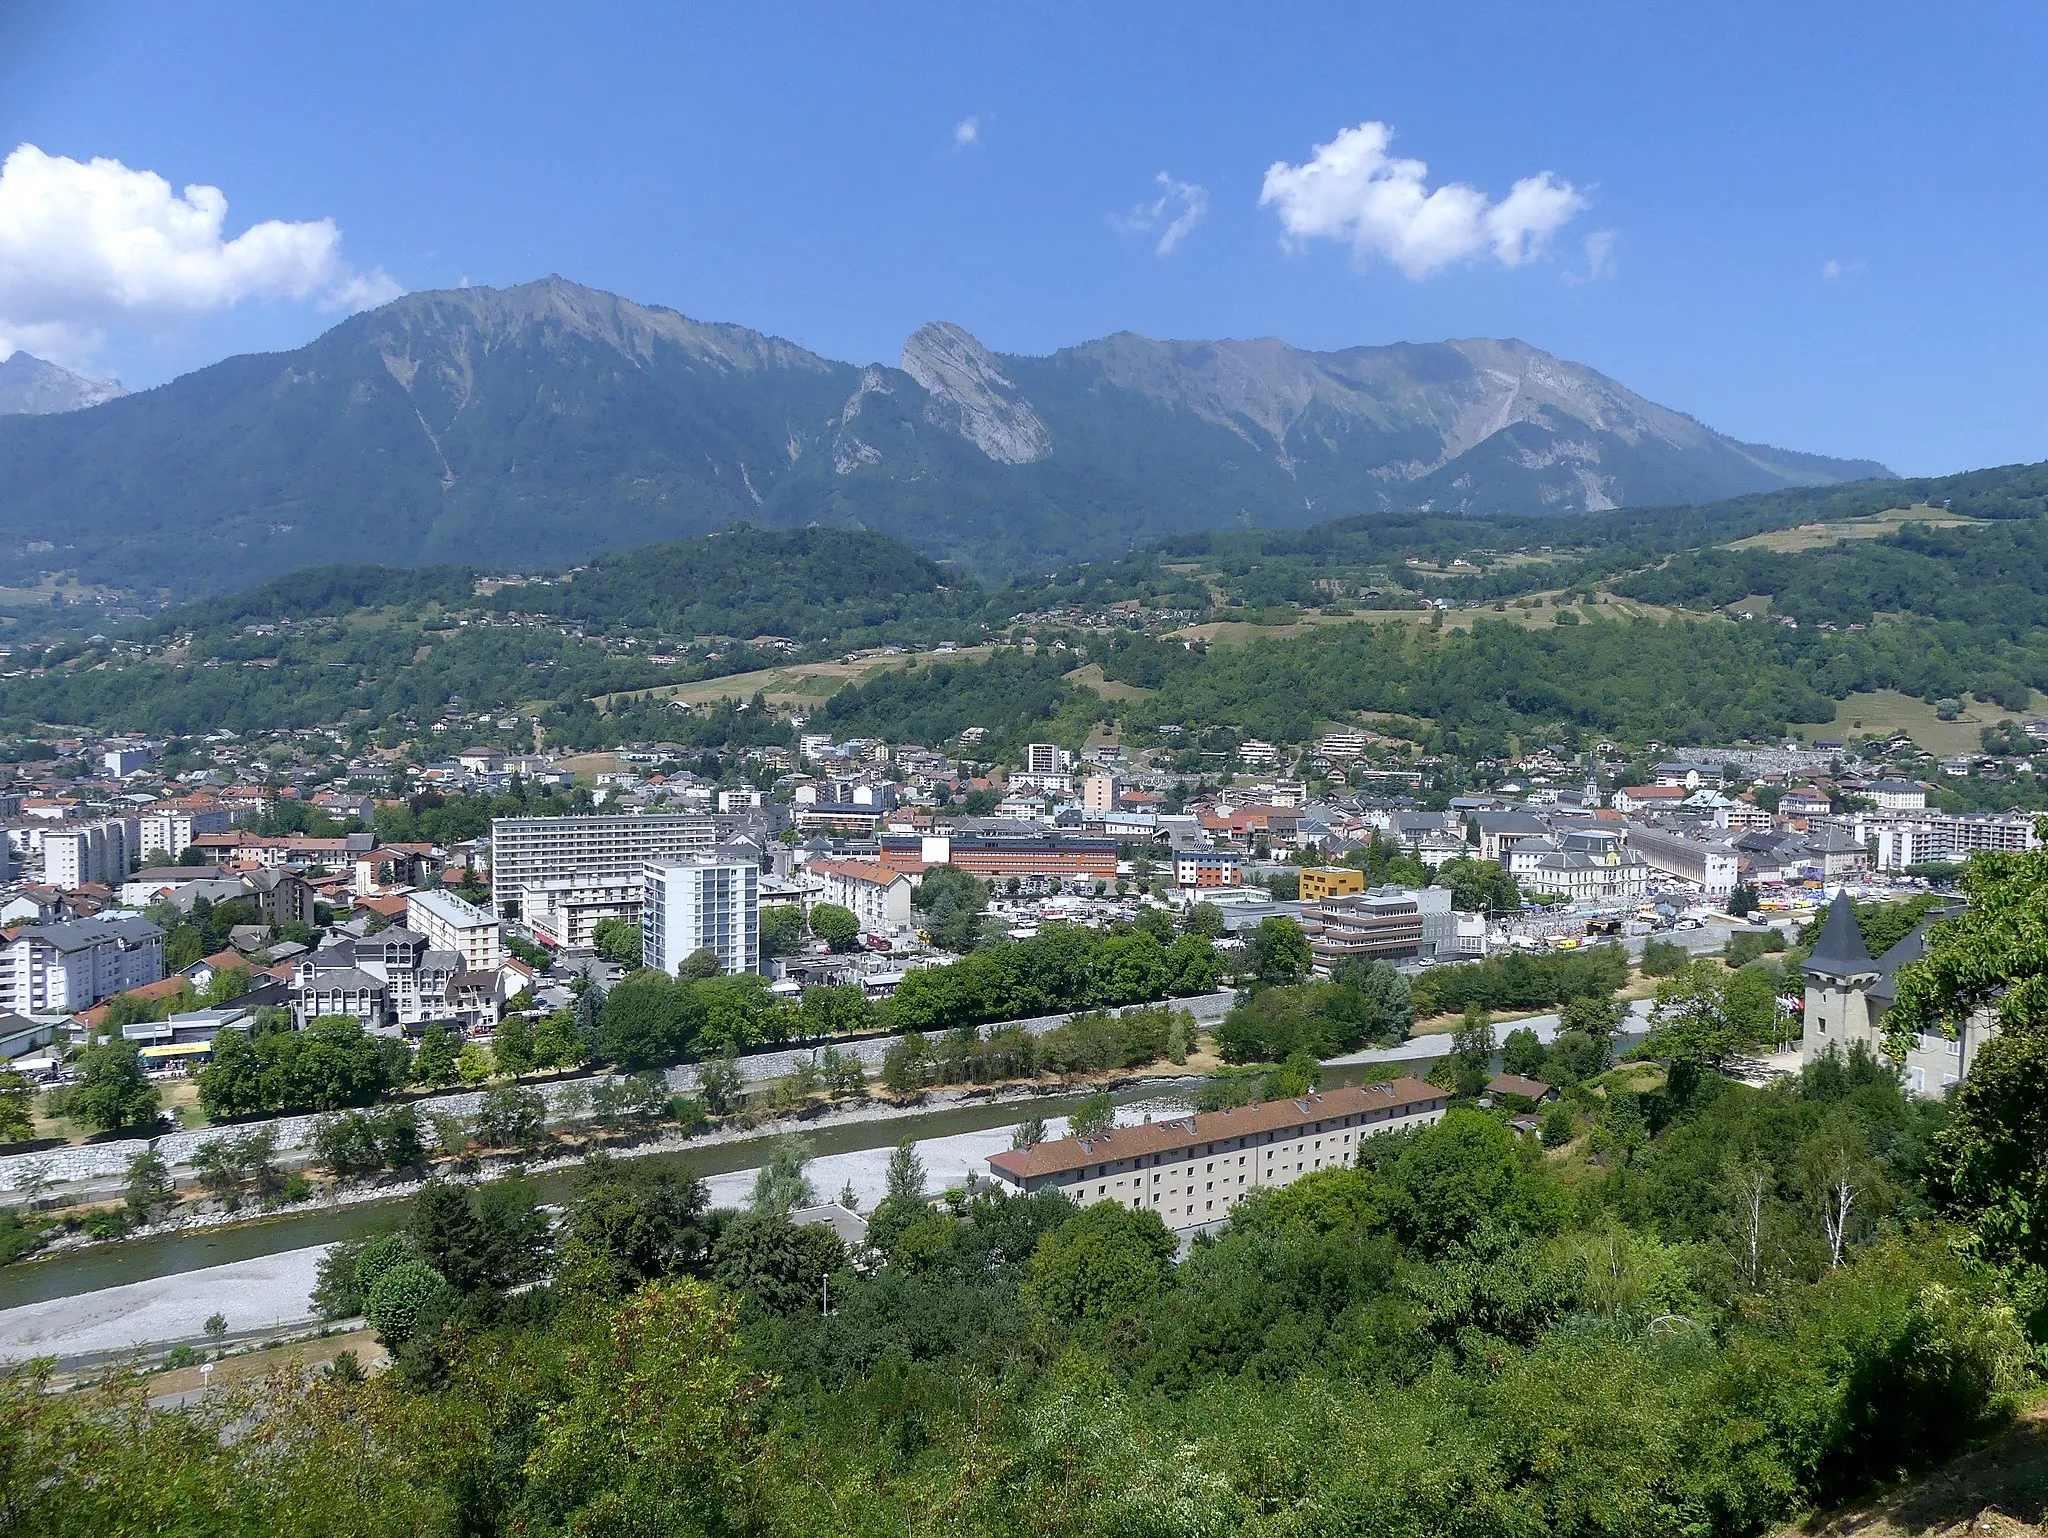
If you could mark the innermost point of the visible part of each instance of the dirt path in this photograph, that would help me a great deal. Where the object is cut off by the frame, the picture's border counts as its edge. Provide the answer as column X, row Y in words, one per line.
column 1998, row 1491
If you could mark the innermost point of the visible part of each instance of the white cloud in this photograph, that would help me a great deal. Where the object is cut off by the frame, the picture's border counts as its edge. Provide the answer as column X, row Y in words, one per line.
column 1188, row 203
column 1600, row 255
column 89, row 245
column 966, row 133
column 1834, row 270
column 1353, row 191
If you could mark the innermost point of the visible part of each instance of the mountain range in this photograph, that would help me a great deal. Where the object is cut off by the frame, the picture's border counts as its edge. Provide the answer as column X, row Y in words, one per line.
column 540, row 424
column 30, row 386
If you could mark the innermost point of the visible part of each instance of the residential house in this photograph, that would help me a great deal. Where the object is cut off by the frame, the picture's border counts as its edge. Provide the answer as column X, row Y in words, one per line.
column 878, row 897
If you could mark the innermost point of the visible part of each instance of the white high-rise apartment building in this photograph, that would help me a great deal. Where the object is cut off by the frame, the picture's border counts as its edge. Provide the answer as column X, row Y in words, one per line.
column 170, row 833
column 55, row 969
column 591, row 851
column 1046, row 758
column 447, row 923
column 78, row 856
column 701, row 904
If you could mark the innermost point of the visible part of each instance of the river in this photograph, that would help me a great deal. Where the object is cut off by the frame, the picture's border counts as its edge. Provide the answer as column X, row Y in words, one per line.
column 112, row 1265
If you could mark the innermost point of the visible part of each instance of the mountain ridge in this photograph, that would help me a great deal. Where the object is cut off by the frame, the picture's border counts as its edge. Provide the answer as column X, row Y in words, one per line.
column 546, row 422
column 32, row 386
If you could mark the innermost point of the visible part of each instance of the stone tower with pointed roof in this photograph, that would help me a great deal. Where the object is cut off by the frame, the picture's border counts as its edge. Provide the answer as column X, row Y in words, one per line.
column 1848, row 992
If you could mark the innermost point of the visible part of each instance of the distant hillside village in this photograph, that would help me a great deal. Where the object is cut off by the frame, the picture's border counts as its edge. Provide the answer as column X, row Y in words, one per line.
column 267, row 889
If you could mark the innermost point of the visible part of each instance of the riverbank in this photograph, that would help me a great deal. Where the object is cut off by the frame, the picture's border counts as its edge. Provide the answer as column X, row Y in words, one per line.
column 273, row 1293
column 95, row 1170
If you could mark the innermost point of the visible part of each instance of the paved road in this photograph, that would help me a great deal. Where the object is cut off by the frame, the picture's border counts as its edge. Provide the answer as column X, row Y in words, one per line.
column 1422, row 1049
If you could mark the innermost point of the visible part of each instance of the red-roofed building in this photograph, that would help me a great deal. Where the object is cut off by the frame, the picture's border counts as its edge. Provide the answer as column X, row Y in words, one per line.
column 1193, row 1169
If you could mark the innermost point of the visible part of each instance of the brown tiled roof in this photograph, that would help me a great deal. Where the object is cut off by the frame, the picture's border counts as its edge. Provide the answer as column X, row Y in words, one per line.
column 1515, row 1084
column 1214, row 1126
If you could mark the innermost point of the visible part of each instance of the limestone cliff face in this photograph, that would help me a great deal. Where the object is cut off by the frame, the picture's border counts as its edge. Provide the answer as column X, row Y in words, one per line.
column 970, row 395
column 31, row 387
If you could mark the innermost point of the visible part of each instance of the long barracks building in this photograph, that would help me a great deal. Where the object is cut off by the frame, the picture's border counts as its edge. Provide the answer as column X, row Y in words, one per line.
column 1193, row 1169
column 997, row 855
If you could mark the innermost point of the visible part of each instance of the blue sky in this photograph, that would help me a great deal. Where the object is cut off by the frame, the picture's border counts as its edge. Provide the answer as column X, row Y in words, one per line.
column 1818, row 226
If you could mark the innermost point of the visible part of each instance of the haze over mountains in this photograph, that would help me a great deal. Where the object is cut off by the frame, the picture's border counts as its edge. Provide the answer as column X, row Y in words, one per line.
column 540, row 424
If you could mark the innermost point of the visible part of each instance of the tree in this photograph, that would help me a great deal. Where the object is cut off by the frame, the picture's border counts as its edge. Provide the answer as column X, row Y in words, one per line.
column 1278, row 952
column 17, row 1107
column 334, row 1062
column 1662, row 958
column 952, row 903
column 1383, row 1005
column 231, row 1166
column 111, row 1093
column 1472, row 1048
column 1092, row 1117
column 512, row 1045
column 642, row 1220
column 781, row 1186
column 1523, row 1054
column 1986, row 958
column 906, row 1176
column 779, row 1267
column 1557, row 1125
column 782, row 929
column 433, row 1066
column 906, row 1064
column 618, row 940
column 672, row 1352
column 1576, row 1056
column 444, row 1233
column 644, row 1021
column 473, row 1063
column 836, row 926
column 149, row 1191
column 398, row 1299
column 718, row 1080
column 510, row 1117
column 1839, row 1176
column 559, row 1041
column 1030, row 1132
column 1478, row 886
column 700, row 965
column 1695, row 1023
column 1991, row 1159
column 347, row 1146
column 1102, row 1262
column 335, row 1293
column 513, row 1235
column 1202, row 919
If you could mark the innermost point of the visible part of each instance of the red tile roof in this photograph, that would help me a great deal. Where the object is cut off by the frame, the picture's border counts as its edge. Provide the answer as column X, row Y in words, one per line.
column 1070, row 1154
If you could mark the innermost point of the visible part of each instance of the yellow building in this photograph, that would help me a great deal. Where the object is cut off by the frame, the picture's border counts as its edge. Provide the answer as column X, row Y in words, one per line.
column 1319, row 882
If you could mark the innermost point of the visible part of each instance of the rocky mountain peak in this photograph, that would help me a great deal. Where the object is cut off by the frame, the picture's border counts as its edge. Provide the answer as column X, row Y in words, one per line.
column 970, row 395
column 31, row 386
